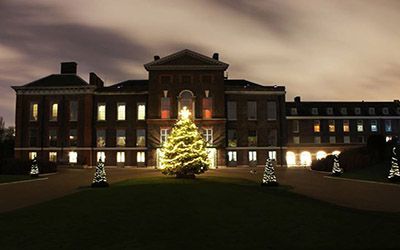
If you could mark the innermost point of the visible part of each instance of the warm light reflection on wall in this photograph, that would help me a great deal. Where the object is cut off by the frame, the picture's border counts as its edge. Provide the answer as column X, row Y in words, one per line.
column 305, row 158
column 321, row 155
column 336, row 152
column 290, row 159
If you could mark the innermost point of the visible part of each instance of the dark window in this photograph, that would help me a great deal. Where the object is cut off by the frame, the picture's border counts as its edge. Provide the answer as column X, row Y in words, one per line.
column 252, row 138
column 186, row 79
column 166, row 79
column 207, row 108
column 272, row 137
column 165, row 107
column 140, row 138
column 206, row 79
column 232, row 138
column 295, row 124
column 252, row 110
column 232, row 112
column 271, row 111
column 73, row 137
column 186, row 100
column 52, row 137
column 73, row 110
column 33, row 139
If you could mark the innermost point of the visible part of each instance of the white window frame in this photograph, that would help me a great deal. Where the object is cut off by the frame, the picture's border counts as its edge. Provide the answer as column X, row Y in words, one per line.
column 73, row 157
column 208, row 135
column 121, row 111
column 121, row 157
column 252, row 156
column 272, row 155
column 141, row 111
column 140, row 157
column 232, row 156
column 164, row 132
column 374, row 125
column 53, row 111
column 102, row 155
column 360, row 126
column 34, row 112
column 101, row 114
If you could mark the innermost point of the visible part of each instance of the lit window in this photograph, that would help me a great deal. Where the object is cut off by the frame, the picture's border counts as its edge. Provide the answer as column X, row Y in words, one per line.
column 101, row 112
column 208, row 135
column 305, row 158
column 232, row 156
column 290, row 159
column 141, row 111
column 295, row 126
column 314, row 111
column 121, row 138
column 293, row 111
column 385, row 111
column 101, row 138
column 101, row 156
column 252, row 110
column 252, row 156
column 272, row 155
column 164, row 135
column 296, row 139
column 317, row 139
column 165, row 107
column 34, row 109
column 271, row 111
column 321, row 155
column 186, row 100
column 331, row 125
column 54, row 112
column 140, row 138
column 207, row 108
column 52, row 137
column 53, row 156
column 346, row 126
column 73, row 157
column 374, row 126
column 357, row 111
column 388, row 138
column 332, row 139
column 388, row 126
column 73, row 137
column 343, row 111
column 360, row 126
column 32, row 155
column 120, row 157
column 73, row 111
column 121, row 110
column 232, row 138
column 329, row 111
column 252, row 138
column 346, row 139
column 371, row 111
column 232, row 110
column 317, row 127
column 140, row 157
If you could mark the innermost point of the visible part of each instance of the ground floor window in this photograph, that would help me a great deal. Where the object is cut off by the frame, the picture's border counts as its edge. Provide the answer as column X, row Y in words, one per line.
column 53, row 156
column 120, row 157
column 32, row 155
column 272, row 155
column 101, row 156
column 252, row 156
column 290, row 158
column 321, row 155
column 140, row 157
column 73, row 157
column 232, row 156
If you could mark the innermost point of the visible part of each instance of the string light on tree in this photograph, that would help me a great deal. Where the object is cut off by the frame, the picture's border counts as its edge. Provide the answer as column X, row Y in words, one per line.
column 34, row 168
column 100, row 179
column 184, row 154
column 269, row 178
column 336, row 169
column 394, row 173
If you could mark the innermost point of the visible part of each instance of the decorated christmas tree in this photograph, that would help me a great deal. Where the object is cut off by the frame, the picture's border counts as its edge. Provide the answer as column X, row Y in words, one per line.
column 100, row 179
column 269, row 178
column 394, row 173
column 184, row 154
column 34, row 168
column 336, row 169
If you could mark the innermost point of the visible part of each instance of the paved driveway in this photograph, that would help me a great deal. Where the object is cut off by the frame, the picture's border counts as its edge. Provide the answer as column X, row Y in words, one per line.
column 368, row 196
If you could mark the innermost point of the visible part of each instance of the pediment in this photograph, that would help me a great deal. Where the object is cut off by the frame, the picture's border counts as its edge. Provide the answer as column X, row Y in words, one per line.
column 186, row 59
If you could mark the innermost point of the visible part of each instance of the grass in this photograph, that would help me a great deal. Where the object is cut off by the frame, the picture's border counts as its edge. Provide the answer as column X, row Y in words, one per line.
column 11, row 178
column 205, row 213
column 378, row 172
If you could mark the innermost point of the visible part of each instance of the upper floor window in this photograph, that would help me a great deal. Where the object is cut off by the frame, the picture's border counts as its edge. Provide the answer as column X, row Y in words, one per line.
column 33, row 137
column 53, row 112
column 186, row 79
column 360, row 126
column 207, row 108
column 398, row 110
column 52, row 137
column 271, row 111
column 371, row 111
column 343, row 111
column 53, row 156
column 317, row 127
column 317, row 139
column 101, row 112
column 293, row 111
column 121, row 111
column 101, row 138
column 73, row 111
column 232, row 110
column 186, row 99
column 295, row 126
column 296, row 139
column 73, row 137
column 346, row 139
column 272, row 137
column 141, row 111
column 332, row 139
column 206, row 79
column 252, row 138
column 140, row 138
column 252, row 156
column 374, row 126
column 331, row 124
column 232, row 138
column 120, row 157
column 357, row 111
column 165, row 107
column 252, row 110
column 208, row 135
column 166, row 79
column 164, row 135
column 34, row 110
column 314, row 111
column 329, row 111
column 388, row 125
column 32, row 155
column 385, row 111
column 346, row 126
column 121, row 138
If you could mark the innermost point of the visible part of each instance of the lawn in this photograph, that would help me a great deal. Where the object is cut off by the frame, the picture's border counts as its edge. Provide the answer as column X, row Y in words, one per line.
column 378, row 172
column 205, row 213
column 11, row 178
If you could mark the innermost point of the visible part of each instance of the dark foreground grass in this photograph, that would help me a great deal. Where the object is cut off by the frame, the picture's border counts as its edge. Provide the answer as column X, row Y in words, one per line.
column 206, row 213
column 377, row 173
column 11, row 178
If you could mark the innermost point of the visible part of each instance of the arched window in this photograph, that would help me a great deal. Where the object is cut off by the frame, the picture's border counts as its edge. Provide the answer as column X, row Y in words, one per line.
column 186, row 99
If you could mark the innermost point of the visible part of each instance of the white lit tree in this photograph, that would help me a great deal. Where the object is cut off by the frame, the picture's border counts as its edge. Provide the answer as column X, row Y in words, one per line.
column 34, row 168
column 100, row 179
column 336, row 169
column 394, row 173
column 269, row 178
column 184, row 154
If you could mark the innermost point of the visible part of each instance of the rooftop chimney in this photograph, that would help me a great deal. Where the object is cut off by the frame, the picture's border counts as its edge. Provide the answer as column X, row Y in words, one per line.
column 95, row 80
column 68, row 67
column 297, row 99
column 216, row 56
column 156, row 57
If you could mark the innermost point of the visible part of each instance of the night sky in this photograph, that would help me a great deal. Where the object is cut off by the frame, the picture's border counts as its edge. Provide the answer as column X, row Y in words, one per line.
column 320, row 50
